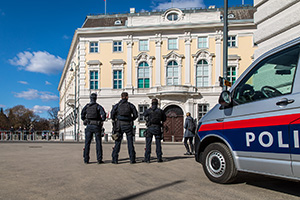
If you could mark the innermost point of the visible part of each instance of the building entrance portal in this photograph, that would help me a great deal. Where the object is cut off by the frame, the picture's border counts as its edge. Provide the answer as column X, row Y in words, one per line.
column 173, row 126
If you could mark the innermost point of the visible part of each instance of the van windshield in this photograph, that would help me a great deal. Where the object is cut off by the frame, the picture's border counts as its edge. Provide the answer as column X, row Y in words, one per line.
column 274, row 76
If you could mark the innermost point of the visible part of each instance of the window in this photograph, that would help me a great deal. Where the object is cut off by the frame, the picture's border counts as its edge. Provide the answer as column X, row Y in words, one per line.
column 117, row 46
column 272, row 77
column 172, row 44
column 202, row 73
column 93, row 80
column 141, row 132
column 172, row 17
column 202, row 42
column 232, row 41
column 172, row 73
column 202, row 110
column 93, row 47
column 118, row 22
column 143, row 45
column 231, row 74
column 142, row 109
column 143, row 75
column 117, row 82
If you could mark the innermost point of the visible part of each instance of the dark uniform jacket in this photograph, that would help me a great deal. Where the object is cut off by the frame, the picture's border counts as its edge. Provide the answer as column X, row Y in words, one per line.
column 131, row 117
column 154, row 107
column 100, row 109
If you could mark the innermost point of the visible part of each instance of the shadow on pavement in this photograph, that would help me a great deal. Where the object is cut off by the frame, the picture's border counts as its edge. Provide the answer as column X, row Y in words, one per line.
column 151, row 190
column 275, row 184
column 152, row 160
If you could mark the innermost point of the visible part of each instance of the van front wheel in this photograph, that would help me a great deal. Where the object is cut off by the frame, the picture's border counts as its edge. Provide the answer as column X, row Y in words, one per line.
column 218, row 163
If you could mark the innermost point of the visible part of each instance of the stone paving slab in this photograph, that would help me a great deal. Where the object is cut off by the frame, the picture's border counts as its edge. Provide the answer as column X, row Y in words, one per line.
column 56, row 171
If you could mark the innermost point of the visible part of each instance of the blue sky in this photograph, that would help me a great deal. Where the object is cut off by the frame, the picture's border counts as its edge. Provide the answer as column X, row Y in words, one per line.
column 35, row 38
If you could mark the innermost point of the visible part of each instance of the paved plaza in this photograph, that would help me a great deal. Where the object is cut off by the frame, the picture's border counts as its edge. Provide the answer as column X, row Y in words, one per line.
column 56, row 171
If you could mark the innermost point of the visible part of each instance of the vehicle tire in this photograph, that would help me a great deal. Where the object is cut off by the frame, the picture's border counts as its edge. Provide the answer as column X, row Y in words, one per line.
column 218, row 163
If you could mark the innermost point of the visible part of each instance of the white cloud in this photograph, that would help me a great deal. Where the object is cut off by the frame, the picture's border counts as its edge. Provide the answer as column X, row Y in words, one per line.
column 66, row 37
column 48, row 83
column 2, row 106
column 35, row 94
column 40, row 61
column 40, row 109
column 179, row 4
column 23, row 82
column 2, row 13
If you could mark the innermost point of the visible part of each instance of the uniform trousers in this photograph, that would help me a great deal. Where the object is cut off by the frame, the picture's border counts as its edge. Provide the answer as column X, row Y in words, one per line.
column 89, row 130
column 156, row 132
column 125, row 127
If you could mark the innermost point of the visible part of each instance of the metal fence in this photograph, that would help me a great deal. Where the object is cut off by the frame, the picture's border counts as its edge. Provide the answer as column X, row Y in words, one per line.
column 45, row 135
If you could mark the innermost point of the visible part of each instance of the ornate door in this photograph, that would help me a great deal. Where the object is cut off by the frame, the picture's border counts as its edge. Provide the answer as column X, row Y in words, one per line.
column 173, row 126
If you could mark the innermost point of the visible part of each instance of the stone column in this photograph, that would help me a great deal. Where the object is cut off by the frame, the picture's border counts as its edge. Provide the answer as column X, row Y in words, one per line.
column 218, row 39
column 187, row 41
column 129, row 61
column 158, row 43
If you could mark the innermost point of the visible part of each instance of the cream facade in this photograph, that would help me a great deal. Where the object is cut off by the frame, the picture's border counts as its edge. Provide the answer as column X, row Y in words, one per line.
column 175, row 56
column 277, row 23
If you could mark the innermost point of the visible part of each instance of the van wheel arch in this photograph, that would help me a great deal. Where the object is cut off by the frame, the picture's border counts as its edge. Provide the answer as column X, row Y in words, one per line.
column 218, row 163
column 205, row 143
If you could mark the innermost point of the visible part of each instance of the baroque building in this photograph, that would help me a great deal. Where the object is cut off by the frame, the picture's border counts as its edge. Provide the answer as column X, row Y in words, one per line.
column 174, row 55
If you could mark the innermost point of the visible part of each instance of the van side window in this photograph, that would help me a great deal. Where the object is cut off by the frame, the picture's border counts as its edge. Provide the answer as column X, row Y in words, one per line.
column 272, row 77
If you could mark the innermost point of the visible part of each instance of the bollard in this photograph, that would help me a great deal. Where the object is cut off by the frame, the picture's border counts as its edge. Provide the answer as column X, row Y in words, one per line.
column 106, row 137
column 2, row 136
column 173, row 138
column 21, row 136
column 47, row 136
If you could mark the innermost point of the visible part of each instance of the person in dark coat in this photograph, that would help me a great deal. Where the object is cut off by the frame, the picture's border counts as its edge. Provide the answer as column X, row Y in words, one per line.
column 188, row 134
column 93, row 116
column 124, row 113
column 154, row 118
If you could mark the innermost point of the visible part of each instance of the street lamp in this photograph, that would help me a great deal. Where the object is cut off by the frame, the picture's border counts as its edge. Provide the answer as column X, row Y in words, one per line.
column 225, row 42
column 75, row 102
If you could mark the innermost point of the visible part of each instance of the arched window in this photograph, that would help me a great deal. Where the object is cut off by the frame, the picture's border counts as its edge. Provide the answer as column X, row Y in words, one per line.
column 172, row 73
column 202, row 74
column 143, row 75
column 172, row 17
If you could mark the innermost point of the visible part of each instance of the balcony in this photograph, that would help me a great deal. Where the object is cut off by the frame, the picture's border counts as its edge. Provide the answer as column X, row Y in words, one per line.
column 70, row 100
column 173, row 90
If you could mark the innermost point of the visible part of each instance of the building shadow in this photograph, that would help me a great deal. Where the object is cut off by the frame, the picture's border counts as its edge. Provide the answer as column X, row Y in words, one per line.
column 137, row 195
column 270, row 183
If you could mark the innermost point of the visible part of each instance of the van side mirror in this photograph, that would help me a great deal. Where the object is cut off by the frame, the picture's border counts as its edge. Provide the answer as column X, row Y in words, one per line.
column 225, row 98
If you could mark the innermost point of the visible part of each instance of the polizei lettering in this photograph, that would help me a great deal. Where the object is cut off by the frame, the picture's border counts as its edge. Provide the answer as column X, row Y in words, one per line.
column 266, row 139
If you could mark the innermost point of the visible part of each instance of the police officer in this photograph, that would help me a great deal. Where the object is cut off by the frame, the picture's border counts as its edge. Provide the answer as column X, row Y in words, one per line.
column 124, row 113
column 93, row 116
column 189, row 134
column 154, row 117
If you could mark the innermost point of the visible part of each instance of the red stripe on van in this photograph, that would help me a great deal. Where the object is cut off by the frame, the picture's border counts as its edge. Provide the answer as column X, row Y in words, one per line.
column 258, row 122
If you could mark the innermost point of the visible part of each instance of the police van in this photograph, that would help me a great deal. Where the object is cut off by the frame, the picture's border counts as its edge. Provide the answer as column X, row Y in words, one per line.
column 255, row 127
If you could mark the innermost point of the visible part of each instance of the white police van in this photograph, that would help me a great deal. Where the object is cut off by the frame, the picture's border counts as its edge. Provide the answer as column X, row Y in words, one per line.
column 255, row 127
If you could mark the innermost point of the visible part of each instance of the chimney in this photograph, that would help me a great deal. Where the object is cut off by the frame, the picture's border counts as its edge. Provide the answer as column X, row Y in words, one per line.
column 132, row 10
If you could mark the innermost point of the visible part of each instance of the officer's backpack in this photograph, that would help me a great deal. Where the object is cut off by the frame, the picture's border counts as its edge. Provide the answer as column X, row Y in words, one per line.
column 155, row 116
column 192, row 125
column 124, row 109
column 92, row 111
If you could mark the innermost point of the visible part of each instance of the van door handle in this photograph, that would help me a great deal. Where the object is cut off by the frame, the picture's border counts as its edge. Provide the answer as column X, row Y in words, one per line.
column 284, row 101
column 220, row 120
